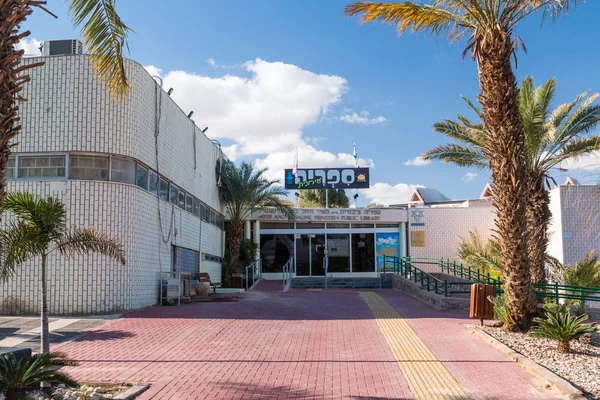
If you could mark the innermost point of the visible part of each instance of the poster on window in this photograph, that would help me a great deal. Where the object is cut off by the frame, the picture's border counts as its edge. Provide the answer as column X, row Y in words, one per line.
column 387, row 244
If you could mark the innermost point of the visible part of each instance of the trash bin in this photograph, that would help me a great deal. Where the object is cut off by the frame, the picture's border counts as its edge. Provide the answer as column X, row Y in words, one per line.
column 480, row 306
column 237, row 281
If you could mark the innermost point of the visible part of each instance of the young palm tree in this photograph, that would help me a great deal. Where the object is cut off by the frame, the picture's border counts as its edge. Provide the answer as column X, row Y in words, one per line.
column 551, row 138
column 30, row 372
column 39, row 230
column 243, row 190
column 492, row 41
column 104, row 34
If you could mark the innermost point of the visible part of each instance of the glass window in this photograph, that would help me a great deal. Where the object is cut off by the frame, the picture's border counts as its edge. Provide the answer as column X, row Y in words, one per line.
column 363, row 252
column 181, row 200
column 205, row 214
column 338, row 250
column 41, row 167
column 153, row 183
column 122, row 170
column 363, row 226
column 387, row 225
column 10, row 168
column 189, row 201
column 174, row 194
column 337, row 226
column 88, row 167
column 275, row 251
column 308, row 225
column 141, row 177
column 196, row 207
column 163, row 189
column 278, row 225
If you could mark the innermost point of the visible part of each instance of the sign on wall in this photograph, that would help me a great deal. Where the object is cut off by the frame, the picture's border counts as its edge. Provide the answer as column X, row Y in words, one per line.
column 417, row 238
column 327, row 178
column 391, row 215
column 387, row 244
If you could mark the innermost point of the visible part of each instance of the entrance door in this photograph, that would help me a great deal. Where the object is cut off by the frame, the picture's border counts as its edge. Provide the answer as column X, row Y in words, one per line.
column 310, row 251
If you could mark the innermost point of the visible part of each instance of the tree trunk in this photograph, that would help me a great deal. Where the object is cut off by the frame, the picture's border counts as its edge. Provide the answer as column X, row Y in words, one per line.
column 12, row 78
column 14, row 394
column 538, row 219
column 44, row 316
column 503, row 127
column 234, row 242
column 564, row 346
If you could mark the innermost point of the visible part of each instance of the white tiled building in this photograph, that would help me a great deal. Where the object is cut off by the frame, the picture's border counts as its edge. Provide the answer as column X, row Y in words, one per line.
column 140, row 170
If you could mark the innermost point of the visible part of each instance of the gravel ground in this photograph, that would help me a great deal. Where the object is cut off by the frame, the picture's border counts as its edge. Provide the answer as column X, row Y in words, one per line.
column 581, row 367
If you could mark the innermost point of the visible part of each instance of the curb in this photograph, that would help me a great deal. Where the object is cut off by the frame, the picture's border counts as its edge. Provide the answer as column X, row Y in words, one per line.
column 549, row 378
column 132, row 392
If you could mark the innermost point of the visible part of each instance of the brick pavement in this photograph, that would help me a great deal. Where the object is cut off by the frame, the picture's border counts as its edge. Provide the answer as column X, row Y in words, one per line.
column 297, row 344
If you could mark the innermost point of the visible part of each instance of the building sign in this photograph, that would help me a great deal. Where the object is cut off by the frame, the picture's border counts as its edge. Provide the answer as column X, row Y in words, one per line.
column 327, row 178
column 417, row 238
column 366, row 215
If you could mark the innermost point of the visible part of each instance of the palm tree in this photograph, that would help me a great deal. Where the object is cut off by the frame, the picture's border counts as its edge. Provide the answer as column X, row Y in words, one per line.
column 104, row 34
column 551, row 138
column 31, row 372
column 492, row 41
column 479, row 255
column 244, row 189
column 39, row 230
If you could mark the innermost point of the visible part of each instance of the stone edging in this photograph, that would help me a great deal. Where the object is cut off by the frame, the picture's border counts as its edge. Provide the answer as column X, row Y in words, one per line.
column 131, row 393
column 550, row 378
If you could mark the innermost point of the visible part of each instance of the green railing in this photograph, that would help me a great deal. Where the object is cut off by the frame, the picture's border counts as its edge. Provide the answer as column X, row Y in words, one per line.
column 405, row 267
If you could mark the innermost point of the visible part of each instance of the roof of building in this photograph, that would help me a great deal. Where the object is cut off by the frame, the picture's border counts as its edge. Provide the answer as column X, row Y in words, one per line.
column 487, row 191
column 428, row 196
column 571, row 181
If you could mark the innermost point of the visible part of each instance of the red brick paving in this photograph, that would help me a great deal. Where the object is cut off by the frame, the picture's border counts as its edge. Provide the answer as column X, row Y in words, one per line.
column 302, row 345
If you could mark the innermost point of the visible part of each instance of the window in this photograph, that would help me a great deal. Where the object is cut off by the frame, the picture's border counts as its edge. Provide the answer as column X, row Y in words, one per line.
column 88, row 167
column 41, row 167
column 122, row 170
column 163, row 190
column 141, row 177
column 153, row 183
column 181, row 200
column 10, row 168
column 337, row 226
column 174, row 194
column 196, row 207
column 189, row 200
column 205, row 214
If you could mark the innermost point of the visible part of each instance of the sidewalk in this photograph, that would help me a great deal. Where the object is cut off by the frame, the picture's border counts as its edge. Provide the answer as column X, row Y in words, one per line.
column 300, row 344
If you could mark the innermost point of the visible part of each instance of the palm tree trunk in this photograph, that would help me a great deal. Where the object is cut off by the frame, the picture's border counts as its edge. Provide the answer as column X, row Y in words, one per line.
column 44, row 316
column 12, row 14
column 234, row 242
column 538, row 219
column 564, row 346
column 503, row 127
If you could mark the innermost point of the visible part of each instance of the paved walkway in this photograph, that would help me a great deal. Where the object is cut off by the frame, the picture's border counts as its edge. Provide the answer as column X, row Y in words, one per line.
column 304, row 345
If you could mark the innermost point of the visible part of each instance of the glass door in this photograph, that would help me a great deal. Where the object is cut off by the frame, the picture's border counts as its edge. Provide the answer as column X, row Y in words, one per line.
column 303, row 255
column 317, row 246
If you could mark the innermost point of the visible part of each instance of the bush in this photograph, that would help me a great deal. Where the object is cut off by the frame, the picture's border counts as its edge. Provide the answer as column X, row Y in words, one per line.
column 500, row 309
column 561, row 326
column 30, row 372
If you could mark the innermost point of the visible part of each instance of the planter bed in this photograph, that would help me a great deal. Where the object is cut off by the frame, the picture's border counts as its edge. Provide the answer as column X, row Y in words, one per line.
column 581, row 367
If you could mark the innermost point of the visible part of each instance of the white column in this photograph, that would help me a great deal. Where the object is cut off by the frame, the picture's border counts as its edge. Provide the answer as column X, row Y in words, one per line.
column 247, row 230
column 257, row 237
column 403, row 239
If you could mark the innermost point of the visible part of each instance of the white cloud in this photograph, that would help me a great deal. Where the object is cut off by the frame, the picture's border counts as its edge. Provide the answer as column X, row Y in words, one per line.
column 152, row 70
column 469, row 176
column 417, row 162
column 362, row 118
column 211, row 62
column 386, row 194
column 263, row 114
column 31, row 46
column 589, row 162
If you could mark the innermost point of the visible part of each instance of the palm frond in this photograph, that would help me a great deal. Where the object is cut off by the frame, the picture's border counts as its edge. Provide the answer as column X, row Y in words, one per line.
column 105, row 36
column 463, row 156
column 46, row 213
column 87, row 240
column 465, row 131
column 405, row 15
column 30, row 372
column 18, row 243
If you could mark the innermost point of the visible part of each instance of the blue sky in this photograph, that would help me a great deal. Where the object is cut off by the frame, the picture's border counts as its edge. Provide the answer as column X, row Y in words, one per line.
column 335, row 71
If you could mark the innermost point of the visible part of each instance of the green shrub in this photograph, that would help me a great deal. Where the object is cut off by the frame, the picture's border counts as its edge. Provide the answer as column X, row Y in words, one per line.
column 561, row 326
column 30, row 372
column 500, row 309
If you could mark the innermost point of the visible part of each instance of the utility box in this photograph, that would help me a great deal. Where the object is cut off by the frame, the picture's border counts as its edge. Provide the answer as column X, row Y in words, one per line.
column 480, row 306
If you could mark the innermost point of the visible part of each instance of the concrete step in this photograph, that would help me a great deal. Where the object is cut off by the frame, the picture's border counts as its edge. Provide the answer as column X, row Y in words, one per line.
column 339, row 283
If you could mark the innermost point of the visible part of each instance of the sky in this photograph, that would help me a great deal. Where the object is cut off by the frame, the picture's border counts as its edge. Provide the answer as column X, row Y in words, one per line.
column 268, row 77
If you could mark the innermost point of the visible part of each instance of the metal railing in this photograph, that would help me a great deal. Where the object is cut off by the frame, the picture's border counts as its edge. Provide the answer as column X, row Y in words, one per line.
column 405, row 267
column 288, row 274
column 253, row 274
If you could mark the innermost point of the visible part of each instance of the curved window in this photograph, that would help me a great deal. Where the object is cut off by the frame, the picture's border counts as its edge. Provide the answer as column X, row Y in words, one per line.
column 88, row 167
column 141, row 177
column 122, row 170
column 41, row 167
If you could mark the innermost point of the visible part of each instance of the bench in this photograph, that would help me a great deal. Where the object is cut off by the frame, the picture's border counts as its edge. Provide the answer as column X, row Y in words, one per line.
column 205, row 277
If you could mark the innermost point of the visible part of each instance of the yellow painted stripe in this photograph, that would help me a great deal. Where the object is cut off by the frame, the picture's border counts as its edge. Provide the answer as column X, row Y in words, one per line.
column 427, row 376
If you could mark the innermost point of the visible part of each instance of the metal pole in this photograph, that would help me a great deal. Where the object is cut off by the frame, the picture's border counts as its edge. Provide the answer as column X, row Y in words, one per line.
column 326, row 198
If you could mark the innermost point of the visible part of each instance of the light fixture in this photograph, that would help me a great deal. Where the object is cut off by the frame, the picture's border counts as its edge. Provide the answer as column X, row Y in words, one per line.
column 170, row 91
column 356, row 196
column 190, row 114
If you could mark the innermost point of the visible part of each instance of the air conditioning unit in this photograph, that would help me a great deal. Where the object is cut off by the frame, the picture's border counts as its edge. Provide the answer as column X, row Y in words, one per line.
column 62, row 47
